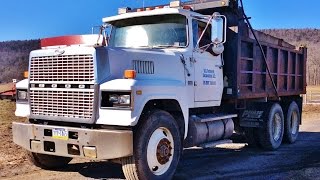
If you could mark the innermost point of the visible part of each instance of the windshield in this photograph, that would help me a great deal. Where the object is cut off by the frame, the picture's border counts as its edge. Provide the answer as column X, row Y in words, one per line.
column 152, row 32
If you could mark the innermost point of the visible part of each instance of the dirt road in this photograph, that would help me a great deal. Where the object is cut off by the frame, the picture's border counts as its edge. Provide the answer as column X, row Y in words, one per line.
column 296, row 161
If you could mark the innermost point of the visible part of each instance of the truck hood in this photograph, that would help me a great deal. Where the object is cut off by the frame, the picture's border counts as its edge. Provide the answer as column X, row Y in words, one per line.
column 162, row 64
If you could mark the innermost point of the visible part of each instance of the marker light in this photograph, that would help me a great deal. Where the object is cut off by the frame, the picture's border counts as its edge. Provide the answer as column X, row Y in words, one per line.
column 25, row 74
column 138, row 92
column 187, row 7
column 130, row 74
column 175, row 4
column 123, row 10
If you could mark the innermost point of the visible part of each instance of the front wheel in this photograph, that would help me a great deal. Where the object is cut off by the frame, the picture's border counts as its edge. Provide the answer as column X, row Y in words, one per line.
column 157, row 148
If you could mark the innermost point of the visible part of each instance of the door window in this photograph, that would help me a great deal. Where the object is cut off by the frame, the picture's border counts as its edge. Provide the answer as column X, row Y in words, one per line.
column 198, row 27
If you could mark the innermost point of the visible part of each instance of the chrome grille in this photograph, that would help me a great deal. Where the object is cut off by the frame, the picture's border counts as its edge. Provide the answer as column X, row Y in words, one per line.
column 72, row 68
column 143, row 67
column 62, row 103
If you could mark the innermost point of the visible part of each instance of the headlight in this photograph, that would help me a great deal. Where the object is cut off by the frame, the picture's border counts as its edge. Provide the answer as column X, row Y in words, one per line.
column 22, row 95
column 116, row 99
column 124, row 99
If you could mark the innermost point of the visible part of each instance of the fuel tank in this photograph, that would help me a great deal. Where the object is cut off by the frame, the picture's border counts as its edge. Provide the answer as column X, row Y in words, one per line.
column 204, row 132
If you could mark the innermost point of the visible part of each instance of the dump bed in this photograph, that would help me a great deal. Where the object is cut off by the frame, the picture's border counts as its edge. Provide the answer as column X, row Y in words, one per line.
column 247, row 73
column 245, row 70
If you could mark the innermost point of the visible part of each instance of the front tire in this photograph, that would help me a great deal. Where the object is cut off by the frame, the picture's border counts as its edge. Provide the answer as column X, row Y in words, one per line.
column 271, row 134
column 157, row 148
column 292, row 121
column 45, row 161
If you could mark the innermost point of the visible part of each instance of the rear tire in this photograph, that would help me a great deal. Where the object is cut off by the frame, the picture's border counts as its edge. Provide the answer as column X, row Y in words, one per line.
column 45, row 161
column 291, row 124
column 157, row 148
column 271, row 134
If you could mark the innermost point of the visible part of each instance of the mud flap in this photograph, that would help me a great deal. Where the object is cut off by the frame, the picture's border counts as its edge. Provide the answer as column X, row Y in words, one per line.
column 255, row 114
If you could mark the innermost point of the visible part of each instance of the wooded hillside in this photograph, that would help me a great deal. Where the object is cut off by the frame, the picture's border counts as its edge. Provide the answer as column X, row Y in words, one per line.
column 14, row 58
column 308, row 37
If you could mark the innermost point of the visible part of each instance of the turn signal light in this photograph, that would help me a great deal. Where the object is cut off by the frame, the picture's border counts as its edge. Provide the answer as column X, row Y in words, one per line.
column 130, row 74
column 25, row 74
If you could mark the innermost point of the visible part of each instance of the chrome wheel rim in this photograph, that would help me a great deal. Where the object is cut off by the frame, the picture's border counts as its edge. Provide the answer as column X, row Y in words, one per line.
column 160, row 151
column 294, row 123
column 276, row 126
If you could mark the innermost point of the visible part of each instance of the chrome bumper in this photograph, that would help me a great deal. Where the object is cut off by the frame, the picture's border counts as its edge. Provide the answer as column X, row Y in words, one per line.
column 87, row 143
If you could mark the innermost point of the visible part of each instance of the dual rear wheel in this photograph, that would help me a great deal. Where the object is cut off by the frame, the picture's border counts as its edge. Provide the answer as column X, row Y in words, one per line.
column 278, row 126
column 293, row 119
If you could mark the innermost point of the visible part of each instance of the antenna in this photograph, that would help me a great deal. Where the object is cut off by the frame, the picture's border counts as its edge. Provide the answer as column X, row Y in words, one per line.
column 142, row 3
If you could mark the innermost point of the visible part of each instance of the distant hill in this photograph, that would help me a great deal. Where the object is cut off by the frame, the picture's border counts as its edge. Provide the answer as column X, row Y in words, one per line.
column 14, row 57
column 308, row 37
column 296, row 36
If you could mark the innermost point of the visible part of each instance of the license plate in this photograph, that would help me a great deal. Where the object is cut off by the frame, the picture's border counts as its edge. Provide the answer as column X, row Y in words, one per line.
column 60, row 133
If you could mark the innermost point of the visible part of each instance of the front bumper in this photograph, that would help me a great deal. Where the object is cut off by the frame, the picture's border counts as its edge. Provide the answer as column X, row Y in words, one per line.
column 102, row 143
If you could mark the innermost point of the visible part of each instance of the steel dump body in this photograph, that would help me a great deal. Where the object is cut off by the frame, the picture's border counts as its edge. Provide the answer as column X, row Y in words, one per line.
column 287, row 68
column 245, row 71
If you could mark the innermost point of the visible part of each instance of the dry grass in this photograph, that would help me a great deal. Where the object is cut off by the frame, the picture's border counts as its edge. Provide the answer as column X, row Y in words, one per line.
column 12, row 157
column 5, row 87
column 313, row 94
column 7, row 112
column 313, row 88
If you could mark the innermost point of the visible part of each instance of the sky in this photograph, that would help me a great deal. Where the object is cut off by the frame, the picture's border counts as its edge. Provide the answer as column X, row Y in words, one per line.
column 35, row 19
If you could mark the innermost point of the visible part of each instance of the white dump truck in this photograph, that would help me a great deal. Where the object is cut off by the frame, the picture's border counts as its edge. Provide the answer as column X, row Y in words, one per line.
column 165, row 78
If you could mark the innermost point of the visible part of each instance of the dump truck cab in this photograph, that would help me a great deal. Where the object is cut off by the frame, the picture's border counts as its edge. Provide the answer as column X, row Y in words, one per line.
column 161, row 50
column 149, row 64
column 160, row 45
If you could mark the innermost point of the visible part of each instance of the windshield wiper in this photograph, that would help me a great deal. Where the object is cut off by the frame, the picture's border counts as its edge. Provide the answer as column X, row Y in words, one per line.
column 165, row 46
column 157, row 46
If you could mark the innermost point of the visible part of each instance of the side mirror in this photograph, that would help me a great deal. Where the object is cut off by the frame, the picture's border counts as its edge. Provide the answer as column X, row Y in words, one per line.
column 104, row 31
column 218, row 28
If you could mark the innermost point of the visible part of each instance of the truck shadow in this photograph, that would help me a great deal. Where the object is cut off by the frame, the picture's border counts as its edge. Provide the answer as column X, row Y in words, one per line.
column 240, row 161
column 96, row 170
column 230, row 161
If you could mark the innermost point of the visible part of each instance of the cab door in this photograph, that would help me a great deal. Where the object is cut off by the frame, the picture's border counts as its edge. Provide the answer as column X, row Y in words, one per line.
column 208, row 82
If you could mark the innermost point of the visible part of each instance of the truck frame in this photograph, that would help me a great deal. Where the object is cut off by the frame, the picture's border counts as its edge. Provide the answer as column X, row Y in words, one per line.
column 168, row 77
